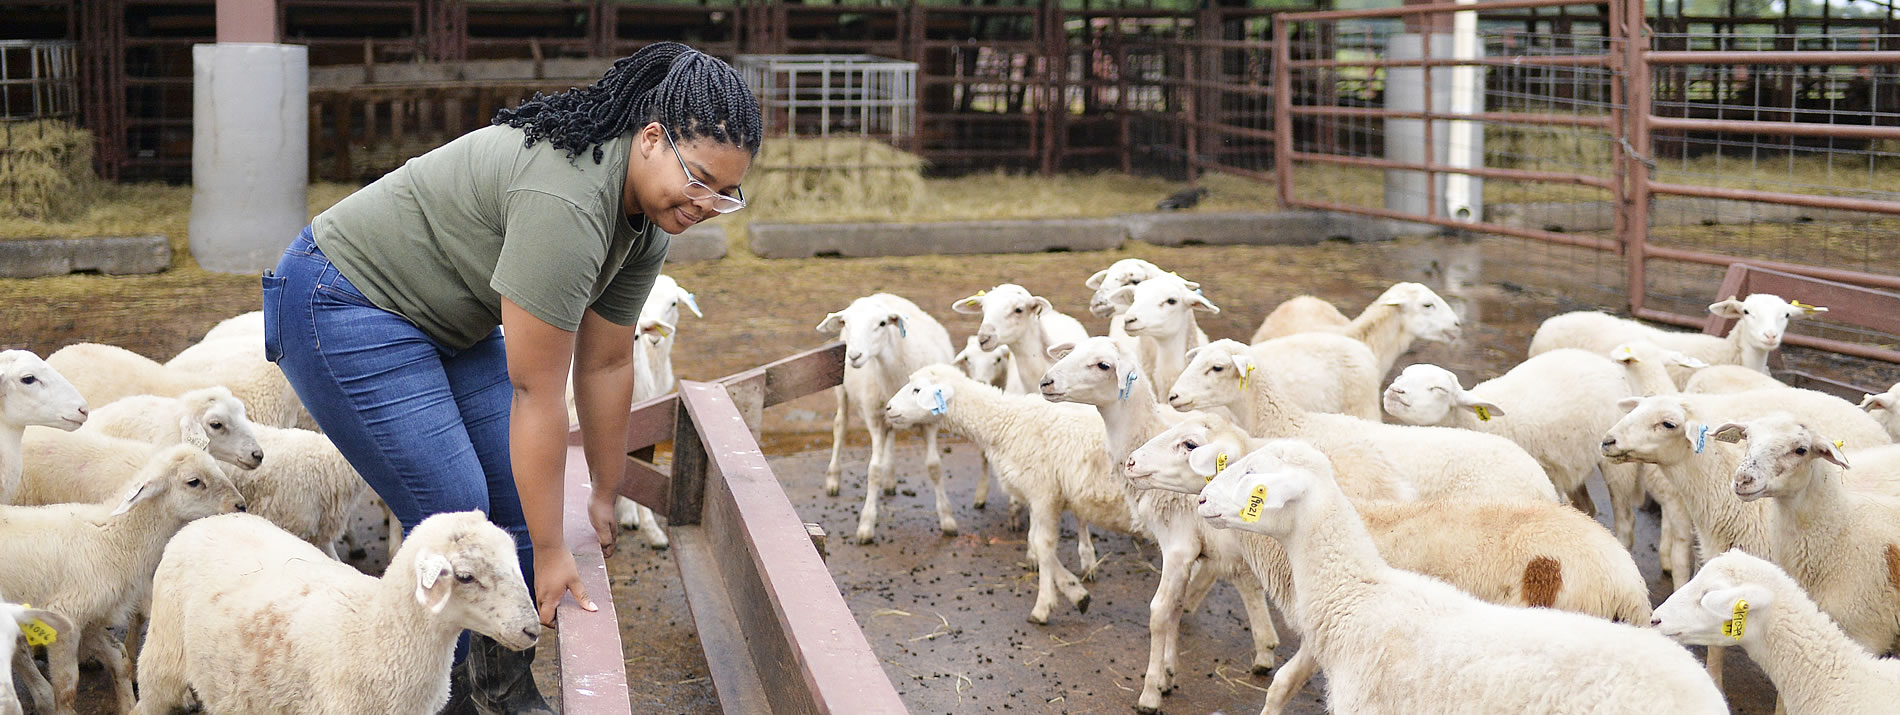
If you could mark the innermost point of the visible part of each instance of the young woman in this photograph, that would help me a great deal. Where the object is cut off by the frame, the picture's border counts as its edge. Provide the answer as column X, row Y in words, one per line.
column 388, row 312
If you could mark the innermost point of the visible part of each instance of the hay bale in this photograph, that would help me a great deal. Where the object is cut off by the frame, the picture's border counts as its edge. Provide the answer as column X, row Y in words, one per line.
column 45, row 169
column 865, row 173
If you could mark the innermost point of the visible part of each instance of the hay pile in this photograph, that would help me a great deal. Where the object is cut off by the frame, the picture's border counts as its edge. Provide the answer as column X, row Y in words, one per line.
column 794, row 173
column 45, row 169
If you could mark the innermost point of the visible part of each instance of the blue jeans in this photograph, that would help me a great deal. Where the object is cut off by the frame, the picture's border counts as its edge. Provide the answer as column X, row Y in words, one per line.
column 426, row 425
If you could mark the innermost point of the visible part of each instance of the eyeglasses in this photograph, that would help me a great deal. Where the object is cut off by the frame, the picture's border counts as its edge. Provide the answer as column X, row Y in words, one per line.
column 697, row 190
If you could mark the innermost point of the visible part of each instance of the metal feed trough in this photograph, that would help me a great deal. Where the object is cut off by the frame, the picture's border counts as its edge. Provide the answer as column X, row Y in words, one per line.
column 834, row 95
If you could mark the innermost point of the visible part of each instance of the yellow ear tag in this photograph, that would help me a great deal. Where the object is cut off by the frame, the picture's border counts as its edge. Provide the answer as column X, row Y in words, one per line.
column 1243, row 377
column 1840, row 444
column 1484, row 415
column 1220, row 465
column 37, row 632
column 1734, row 627
column 1255, row 500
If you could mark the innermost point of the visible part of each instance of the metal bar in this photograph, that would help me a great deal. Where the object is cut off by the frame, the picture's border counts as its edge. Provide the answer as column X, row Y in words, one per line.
column 589, row 647
column 1793, row 129
column 1229, row 129
column 1431, row 104
column 1638, row 118
column 1771, row 57
column 1255, row 174
column 1549, row 177
column 1872, row 280
column 1520, row 61
column 1433, row 9
column 1840, row 203
column 1479, row 227
column 1282, row 113
column 1493, row 117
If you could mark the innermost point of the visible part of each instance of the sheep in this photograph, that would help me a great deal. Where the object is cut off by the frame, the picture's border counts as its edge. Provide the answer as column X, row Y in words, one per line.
column 1729, row 378
column 39, row 627
column 32, row 394
column 1764, row 321
column 1438, row 462
column 1886, row 408
column 1531, row 554
column 92, row 562
column 1647, row 364
column 1101, row 372
column 1322, row 372
column 886, row 339
column 1389, row 325
column 1740, row 599
column 252, row 619
column 1125, row 272
column 209, row 418
column 104, row 373
column 1159, row 313
column 652, row 377
column 306, row 488
column 242, row 325
column 1556, row 406
column 1299, row 314
column 1456, row 652
column 996, row 368
column 1027, row 323
column 1841, row 545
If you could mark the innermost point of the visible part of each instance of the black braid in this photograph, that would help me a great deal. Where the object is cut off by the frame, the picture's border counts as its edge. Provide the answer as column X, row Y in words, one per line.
column 690, row 92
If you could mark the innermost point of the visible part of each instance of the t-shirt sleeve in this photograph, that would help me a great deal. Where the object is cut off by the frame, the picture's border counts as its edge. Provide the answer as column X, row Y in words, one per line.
column 627, row 293
column 551, row 256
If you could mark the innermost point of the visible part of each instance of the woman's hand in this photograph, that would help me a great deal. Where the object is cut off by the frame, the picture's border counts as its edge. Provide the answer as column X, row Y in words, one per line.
column 555, row 576
column 600, row 513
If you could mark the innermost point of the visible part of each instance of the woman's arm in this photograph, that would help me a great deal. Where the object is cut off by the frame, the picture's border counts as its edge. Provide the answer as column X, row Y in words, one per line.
column 538, row 356
column 603, row 394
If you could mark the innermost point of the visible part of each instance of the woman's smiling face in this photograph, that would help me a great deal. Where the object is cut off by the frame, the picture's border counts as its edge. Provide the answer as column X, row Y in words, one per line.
column 656, row 181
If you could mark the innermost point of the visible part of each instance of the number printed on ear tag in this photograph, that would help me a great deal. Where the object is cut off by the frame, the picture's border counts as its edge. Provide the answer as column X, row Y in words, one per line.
column 1255, row 500
column 1734, row 627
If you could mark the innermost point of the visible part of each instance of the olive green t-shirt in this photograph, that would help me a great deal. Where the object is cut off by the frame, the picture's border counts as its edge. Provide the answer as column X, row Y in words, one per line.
column 442, row 237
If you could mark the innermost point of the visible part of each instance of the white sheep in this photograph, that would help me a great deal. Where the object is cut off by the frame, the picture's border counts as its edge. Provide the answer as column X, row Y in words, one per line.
column 242, row 325
column 32, row 394
column 1392, row 641
column 1159, row 313
column 886, row 339
column 652, row 377
column 1027, row 323
column 1299, row 314
column 238, row 363
column 1322, row 372
column 1886, row 408
column 1842, row 545
column 36, row 625
column 1101, row 372
column 1556, row 406
column 306, row 487
column 92, row 563
column 1729, row 378
column 104, row 373
column 251, row 619
column 1403, row 314
column 1647, row 365
column 1438, row 462
column 1763, row 323
column 1533, row 554
column 1125, row 272
column 1740, row 599
column 996, row 368
column 209, row 418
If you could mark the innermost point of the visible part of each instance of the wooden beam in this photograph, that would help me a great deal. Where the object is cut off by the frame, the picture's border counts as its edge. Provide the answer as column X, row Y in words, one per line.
column 593, row 667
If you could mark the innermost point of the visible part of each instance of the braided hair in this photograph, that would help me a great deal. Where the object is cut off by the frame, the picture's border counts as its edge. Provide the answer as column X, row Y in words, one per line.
column 687, row 91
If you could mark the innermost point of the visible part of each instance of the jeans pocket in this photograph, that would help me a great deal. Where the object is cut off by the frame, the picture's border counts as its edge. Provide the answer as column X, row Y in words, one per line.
column 273, row 302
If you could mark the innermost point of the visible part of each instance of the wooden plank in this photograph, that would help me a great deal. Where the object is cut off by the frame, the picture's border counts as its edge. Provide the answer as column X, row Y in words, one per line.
column 689, row 473
column 593, row 667
column 803, row 374
column 649, row 485
column 717, row 622
column 1849, row 304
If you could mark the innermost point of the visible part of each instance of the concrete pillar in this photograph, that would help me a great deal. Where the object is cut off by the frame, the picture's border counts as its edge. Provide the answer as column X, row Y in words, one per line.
column 1405, row 138
column 250, row 154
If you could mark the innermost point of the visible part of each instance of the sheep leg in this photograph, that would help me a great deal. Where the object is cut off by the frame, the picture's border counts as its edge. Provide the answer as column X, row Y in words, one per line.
column 1626, row 489
column 394, row 526
column 1259, row 623
column 933, row 465
column 982, row 482
column 1715, row 660
column 1678, row 532
column 62, row 665
column 98, row 644
column 627, row 513
column 650, row 527
column 1580, row 498
column 887, row 475
column 1200, row 583
column 839, row 423
column 1291, row 679
column 1044, row 520
column 1164, row 625
column 162, row 687
column 1085, row 550
column 37, row 687
column 867, row 518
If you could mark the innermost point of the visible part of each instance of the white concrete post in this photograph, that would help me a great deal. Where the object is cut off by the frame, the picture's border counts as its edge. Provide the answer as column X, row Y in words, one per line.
column 250, row 154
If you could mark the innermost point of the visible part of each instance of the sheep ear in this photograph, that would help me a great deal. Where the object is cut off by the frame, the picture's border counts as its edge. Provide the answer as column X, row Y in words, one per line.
column 433, row 582
column 1043, row 304
column 140, row 492
column 1831, row 451
column 1882, row 401
column 1208, row 459
column 1191, row 285
column 1004, row 352
column 1803, row 310
column 1200, row 302
column 1243, row 363
column 962, row 358
column 692, row 303
column 192, row 429
column 1486, row 409
column 1686, row 360
column 1280, row 488
column 1122, row 297
column 1624, row 353
column 1628, row 403
column 972, row 305
column 832, row 323
column 1730, row 309
column 660, row 328
column 1728, row 604
column 1095, row 281
column 1057, row 352
column 1730, row 432
column 938, row 399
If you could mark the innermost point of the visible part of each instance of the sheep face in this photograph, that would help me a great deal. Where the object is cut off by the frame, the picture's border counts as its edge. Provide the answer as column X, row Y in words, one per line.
column 1424, row 313
column 871, row 330
column 1763, row 318
column 187, row 481
column 215, row 421
column 1884, row 407
column 1184, row 458
column 1158, row 307
column 468, row 575
column 1658, row 429
column 1262, row 491
column 1094, row 372
column 1216, row 375
column 990, row 367
column 33, row 393
column 923, row 400
column 1724, row 605
column 661, row 312
column 1778, row 447
column 1125, row 272
column 1008, row 310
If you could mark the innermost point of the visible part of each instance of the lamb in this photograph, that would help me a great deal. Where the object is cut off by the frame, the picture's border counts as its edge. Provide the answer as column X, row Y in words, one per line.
column 307, row 488
column 1299, row 314
column 1321, row 372
column 16, row 620
column 1533, row 554
column 652, row 377
column 1647, row 365
column 1460, row 653
column 239, row 363
column 1740, row 599
column 1841, row 545
column 209, row 418
column 1729, row 378
column 1886, row 408
column 1125, row 272
column 1027, row 323
column 1764, row 321
column 252, row 619
column 1100, row 372
column 1438, row 462
column 996, row 368
column 1159, row 313
column 1556, row 406
column 242, row 325
column 32, row 394
column 92, row 562
column 104, row 373
column 886, row 339
column 1403, row 314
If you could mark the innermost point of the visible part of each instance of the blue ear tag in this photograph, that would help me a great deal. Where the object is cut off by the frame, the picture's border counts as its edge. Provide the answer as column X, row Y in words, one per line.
column 1128, row 384
column 942, row 404
column 902, row 331
column 1701, row 438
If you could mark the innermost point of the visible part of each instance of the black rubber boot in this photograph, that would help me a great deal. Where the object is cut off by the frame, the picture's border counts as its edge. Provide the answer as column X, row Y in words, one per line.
column 494, row 680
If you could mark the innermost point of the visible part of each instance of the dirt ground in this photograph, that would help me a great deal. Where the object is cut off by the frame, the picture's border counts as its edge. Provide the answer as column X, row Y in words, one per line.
column 947, row 615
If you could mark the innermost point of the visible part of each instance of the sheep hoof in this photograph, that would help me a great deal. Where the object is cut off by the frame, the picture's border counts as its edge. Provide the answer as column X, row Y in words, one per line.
column 891, row 491
column 1147, row 710
column 831, row 490
column 660, row 546
column 866, row 536
column 1082, row 606
column 1042, row 620
column 980, row 504
column 950, row 529
column 1262, row 669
